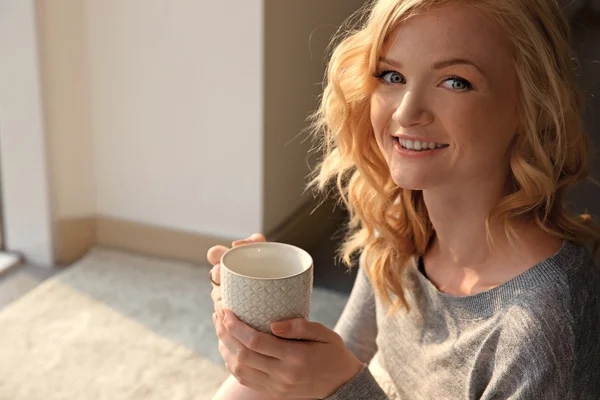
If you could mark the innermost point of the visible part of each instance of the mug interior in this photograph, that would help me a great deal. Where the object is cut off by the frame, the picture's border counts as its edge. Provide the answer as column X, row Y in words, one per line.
column 268, row 260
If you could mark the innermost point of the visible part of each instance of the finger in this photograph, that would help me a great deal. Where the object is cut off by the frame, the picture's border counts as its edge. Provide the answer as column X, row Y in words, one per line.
column 246, row 376
column 226, row 338
column 215, row 253
column 254, row 238
column 215, row 295
column 302, row 329
column 252, row 339
column 244, row 356
column 215, row 274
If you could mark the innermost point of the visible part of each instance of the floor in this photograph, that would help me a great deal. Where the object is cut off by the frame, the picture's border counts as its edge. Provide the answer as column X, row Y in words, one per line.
column 20, row 279
column 120, row 326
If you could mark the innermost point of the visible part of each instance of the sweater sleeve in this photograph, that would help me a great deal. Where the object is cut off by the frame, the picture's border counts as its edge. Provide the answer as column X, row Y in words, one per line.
column 357, row 324
column 358, row 328
column 362, row 387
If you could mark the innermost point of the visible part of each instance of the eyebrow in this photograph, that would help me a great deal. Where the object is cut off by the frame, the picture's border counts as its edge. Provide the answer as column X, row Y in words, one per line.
column 439, row 64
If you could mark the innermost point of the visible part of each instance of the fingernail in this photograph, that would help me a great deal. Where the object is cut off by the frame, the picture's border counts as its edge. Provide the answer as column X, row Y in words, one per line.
column 214, row 317
column 278, row 327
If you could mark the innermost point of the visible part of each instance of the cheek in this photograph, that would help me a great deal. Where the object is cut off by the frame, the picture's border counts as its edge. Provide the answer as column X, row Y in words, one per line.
column 480, row 125
column 380, row 116
column 481, row 131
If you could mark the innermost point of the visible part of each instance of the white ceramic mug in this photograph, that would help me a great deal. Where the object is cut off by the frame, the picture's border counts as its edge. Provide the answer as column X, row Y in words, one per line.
column 266, row 282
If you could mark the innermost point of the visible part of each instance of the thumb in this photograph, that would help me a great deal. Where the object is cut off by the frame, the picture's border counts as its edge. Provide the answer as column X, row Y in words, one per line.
column 215, row 253
column 254, row 238
column 300, row 328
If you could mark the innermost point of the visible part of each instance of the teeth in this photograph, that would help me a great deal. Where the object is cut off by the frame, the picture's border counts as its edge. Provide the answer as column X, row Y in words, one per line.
column 417, row 145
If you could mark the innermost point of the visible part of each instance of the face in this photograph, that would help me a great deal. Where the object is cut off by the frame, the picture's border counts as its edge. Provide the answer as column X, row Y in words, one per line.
column 444, row 110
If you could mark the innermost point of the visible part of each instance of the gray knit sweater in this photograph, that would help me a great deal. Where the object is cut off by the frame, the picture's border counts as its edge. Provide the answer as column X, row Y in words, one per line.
column 536, row 336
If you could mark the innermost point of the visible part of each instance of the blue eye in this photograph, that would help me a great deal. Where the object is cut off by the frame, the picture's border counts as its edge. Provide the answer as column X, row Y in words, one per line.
column 459, row 84
column 390, row 77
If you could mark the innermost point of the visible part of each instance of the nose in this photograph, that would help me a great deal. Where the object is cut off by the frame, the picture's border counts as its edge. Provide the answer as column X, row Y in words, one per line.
column 412, row 110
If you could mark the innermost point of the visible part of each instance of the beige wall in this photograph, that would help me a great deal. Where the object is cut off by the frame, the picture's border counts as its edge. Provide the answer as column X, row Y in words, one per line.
column 176, row 95
column 179, row 116
column 148, row 118
column 65, row 83
column 296, row 36
column 66, row 96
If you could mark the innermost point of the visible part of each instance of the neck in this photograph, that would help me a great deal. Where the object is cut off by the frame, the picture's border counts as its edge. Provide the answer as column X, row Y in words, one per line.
column 459, row 260
column 458, row 219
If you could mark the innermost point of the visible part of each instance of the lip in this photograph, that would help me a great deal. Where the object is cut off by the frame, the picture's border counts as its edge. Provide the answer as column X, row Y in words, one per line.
column 416, row 154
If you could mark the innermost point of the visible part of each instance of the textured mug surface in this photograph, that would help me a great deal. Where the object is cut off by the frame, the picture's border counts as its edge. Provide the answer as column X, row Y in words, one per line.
column 266, row 282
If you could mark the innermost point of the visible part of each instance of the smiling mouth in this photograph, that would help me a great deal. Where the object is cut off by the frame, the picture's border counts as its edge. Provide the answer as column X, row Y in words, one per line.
column 417, row 145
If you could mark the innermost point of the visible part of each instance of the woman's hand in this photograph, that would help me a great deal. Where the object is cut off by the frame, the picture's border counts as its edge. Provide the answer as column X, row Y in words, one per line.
column 214, row 258
column 314, row 367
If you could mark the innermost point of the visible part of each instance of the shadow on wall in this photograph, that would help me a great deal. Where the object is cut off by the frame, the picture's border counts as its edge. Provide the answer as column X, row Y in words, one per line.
column 585, row 27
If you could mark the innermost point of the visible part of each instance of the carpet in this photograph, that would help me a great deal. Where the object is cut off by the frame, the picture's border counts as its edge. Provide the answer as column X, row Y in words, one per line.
column 120, row 326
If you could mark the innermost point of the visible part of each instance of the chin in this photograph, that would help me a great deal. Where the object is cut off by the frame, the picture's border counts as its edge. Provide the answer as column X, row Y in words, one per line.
column 409, row 183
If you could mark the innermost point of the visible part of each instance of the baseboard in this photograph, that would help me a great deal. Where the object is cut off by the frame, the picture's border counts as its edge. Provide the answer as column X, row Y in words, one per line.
column 75, row 236
column 8, row 261
column 306, row 227
column 156, row 241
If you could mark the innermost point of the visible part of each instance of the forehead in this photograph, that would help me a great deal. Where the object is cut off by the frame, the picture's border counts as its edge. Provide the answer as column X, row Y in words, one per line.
column 448, row 32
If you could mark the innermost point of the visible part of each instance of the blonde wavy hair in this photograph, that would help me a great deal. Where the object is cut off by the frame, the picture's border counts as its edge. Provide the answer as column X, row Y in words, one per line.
column 389, row 225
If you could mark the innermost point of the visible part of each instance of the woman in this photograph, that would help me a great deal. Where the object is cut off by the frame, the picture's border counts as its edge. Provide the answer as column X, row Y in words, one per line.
column 454, row 130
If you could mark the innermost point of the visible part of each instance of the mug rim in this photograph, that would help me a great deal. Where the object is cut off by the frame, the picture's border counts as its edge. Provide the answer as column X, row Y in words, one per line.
column 263, row 244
